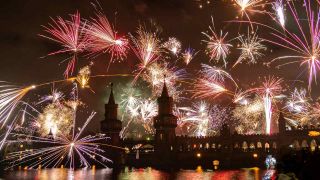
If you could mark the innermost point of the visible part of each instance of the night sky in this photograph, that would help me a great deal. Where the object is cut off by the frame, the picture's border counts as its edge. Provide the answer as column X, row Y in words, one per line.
column 23, row 58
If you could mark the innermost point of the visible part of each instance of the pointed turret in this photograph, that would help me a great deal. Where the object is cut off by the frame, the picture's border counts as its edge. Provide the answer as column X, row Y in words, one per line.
column 111, row 97
column 111, row 125
column 164, row 89
column 50, row 132
column 165, row 102
column 165, row 123
column 50, row 135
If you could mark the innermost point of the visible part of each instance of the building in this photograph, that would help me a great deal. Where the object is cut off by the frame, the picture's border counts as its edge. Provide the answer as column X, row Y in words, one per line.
column 168, row 149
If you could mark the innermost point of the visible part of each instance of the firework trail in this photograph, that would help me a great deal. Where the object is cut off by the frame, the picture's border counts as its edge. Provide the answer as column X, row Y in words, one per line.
column 71, row 35
column 278, row 7
column 216, row 74
column 217, row 45
column 61, row 151
column 304, row 43
column 103, row 38
column 270, row 88
column 10, row 97
column 210, row 83
column 251, row 47
column 205, row 88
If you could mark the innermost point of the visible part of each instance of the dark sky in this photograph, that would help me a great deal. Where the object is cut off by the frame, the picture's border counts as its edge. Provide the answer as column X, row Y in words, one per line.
column 21, row 48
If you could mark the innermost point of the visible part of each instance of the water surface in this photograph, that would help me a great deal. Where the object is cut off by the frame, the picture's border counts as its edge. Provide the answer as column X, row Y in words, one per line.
column 134, row 174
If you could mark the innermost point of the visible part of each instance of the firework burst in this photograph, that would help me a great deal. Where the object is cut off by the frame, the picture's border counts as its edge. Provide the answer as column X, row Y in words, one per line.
column 210, row 83
column 249, row 115
column 103, row 38
column 70, row 35
column 271, row 87
column 250, row 6
column 61, row 150
column 305, row 43
column 298, row 102
column 251, row 47
column 203, row 119
column 216, row 74
column 217, row 46
column 188, row 55
column 173, row 45
column 155, row 74
column 83, row 76
column 146, row 47
column 56, row 118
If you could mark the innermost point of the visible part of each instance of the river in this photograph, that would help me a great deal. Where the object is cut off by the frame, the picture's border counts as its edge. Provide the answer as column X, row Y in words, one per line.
column 134, row 174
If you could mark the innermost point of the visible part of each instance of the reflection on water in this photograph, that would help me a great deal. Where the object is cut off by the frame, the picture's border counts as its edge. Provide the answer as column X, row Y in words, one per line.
column 134, row 174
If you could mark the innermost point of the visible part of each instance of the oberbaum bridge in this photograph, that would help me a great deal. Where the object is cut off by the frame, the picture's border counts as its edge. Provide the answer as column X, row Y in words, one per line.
column 228, row 150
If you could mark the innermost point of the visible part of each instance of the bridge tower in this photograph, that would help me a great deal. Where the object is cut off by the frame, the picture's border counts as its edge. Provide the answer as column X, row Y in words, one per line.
column 281, row 123
column 165, row 123
column 111, row 125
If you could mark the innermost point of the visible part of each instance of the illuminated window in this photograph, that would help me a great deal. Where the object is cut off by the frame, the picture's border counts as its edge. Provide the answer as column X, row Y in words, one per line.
column 207, row 145
column 259, row 145
column 274, row 145
column 244, row 145
column 313, row 145
column 200, row 145
column 161, row 137
column 296, row 145
column 266, row 145
column 236, row 145
column 213, row 146
column 252, row 146
column 304, row 144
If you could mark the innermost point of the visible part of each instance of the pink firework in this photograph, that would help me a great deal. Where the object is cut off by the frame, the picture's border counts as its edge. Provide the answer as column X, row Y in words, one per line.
column 206, row 88
column 103, row 38
column 70, row 34
column 146, row 47
column 271, row 87
column 304, row 43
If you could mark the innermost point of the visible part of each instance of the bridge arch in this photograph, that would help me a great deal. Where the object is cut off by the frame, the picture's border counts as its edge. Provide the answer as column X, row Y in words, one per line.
column 296, row 145
column 259, row 145
column 244, row 145
column 313, row 145
column 304, row 144
column 252, row 146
